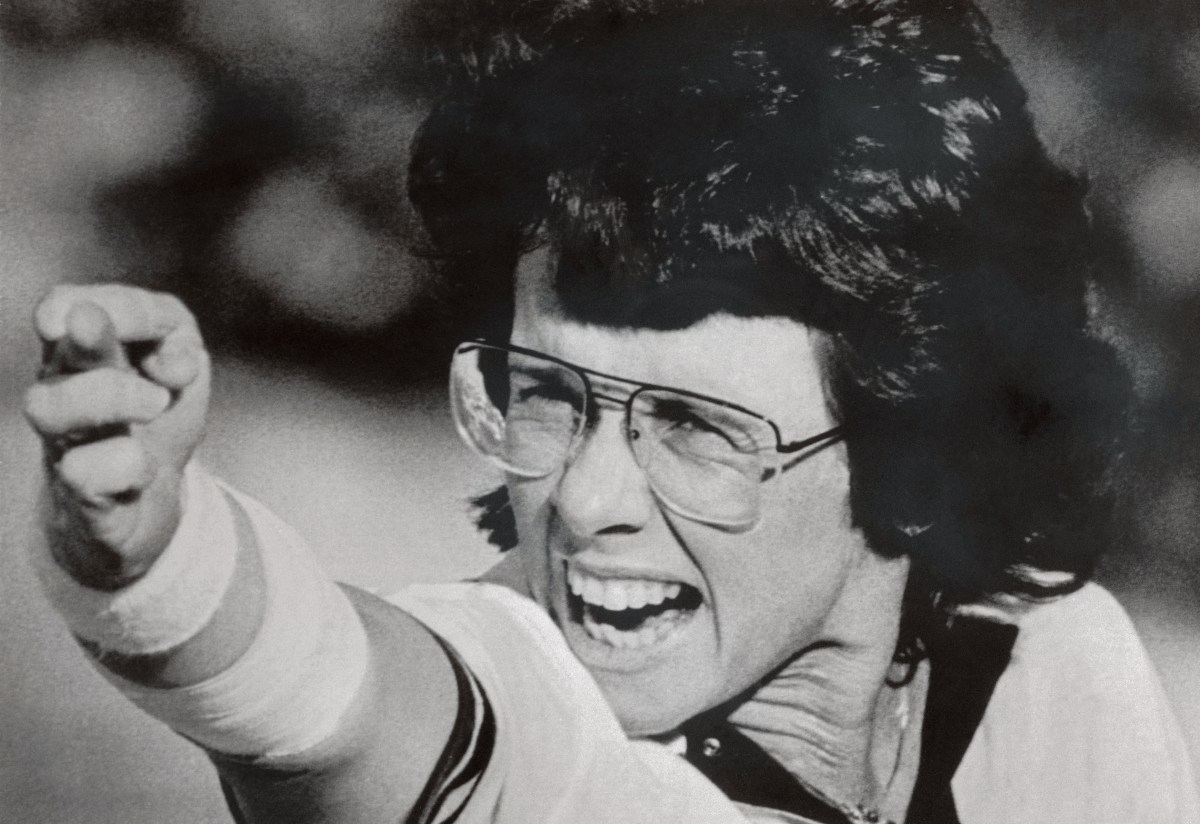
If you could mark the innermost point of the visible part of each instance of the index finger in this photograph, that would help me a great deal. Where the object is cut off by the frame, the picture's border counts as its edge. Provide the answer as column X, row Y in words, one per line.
column 137, row 314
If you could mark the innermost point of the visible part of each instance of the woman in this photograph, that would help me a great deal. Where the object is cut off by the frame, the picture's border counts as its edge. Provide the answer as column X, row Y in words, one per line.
column 783, row 351
column 869, row 171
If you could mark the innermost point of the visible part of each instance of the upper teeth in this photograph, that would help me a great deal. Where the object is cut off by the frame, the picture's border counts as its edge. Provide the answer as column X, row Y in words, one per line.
column 619, row 593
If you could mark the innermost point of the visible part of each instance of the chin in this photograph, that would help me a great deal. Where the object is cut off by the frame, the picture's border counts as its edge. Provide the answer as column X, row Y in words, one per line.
column 646, row 712
column 639, row 722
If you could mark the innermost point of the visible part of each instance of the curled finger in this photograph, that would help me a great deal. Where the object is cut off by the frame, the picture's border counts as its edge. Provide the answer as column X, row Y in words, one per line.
column 94, row 399
column 137, row 314
column 177, row 361
column 105, row 473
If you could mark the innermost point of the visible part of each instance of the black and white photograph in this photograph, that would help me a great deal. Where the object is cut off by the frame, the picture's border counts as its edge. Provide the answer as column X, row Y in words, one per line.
column 600, row 412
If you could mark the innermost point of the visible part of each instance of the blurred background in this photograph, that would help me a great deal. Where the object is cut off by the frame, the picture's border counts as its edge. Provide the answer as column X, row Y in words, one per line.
column 250, row 156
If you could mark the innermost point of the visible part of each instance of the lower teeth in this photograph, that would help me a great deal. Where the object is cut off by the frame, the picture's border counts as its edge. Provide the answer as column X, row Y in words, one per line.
column 652, row 630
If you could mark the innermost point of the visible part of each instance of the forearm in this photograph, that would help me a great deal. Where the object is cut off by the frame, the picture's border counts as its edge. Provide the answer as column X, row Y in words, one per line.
column 230, row 635
column 317, row 703
column 189, row 616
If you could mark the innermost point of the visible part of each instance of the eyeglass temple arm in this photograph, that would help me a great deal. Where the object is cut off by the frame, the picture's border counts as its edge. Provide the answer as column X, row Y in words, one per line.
column 827, row 435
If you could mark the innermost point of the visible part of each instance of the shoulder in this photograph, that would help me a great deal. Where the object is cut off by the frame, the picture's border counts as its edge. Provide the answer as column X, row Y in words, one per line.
column 560, row 753
column 1078, row 728
column 539, row 703
column 505, row 638
column 1083, row 648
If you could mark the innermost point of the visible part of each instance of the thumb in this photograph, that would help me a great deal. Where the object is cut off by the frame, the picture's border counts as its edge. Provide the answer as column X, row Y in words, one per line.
column 89, row 342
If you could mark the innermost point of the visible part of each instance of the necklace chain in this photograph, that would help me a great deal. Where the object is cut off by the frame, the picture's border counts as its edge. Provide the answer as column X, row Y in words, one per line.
column 861, row 814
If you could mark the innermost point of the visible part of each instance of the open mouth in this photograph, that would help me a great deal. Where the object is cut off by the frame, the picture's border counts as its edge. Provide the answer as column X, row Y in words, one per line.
column 628, row 612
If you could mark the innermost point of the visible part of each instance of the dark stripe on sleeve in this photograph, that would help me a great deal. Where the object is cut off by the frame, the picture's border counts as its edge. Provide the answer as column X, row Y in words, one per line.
column 485, row 743
column 469, row 729
column 231, row 801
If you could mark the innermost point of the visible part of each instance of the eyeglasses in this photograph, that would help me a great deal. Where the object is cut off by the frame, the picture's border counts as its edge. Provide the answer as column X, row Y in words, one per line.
column 704, row 458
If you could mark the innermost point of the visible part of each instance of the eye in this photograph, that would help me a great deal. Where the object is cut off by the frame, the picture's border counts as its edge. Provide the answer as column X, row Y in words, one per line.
column 679, row 418
column 544, row 392
column 548, row 400
column 679, row 415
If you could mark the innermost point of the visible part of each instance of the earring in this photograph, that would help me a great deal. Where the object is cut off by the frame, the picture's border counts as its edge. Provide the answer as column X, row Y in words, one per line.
column 912, row 530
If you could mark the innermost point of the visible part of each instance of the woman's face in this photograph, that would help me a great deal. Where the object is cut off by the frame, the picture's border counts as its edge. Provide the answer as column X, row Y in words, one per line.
column 735, row 605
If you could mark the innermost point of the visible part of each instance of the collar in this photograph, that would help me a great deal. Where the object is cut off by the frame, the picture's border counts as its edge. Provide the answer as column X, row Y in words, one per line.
column 965, row 663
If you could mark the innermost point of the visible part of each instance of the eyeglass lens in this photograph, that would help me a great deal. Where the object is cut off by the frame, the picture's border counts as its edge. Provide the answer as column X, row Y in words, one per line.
column 528, row 414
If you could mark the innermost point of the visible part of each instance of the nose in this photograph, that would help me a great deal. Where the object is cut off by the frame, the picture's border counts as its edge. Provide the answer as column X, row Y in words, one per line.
column 602, row 490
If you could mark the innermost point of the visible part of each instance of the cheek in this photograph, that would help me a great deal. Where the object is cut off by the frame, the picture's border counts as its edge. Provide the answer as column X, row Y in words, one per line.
column 786, row 583
column 530, row 507
column 810, row 508
column 786, row 575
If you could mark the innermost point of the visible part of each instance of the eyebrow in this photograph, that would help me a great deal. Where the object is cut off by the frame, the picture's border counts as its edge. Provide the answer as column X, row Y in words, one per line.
column 607, row 384
column 535, row 370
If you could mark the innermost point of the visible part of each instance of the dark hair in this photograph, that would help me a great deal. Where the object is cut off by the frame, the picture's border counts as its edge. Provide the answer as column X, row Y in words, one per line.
column 865, row 167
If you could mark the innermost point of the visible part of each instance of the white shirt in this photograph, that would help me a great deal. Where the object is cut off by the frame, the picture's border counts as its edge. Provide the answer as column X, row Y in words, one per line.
column 1077, row 731
column 1078, row 728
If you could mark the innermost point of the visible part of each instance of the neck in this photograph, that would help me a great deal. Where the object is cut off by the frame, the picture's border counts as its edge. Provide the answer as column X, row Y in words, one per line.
column 827, row 715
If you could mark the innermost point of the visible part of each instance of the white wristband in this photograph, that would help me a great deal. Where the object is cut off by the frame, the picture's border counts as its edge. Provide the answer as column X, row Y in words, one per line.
column 290, row 689
column 173, row 600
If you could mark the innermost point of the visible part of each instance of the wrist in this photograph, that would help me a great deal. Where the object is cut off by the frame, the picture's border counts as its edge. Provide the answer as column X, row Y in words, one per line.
column 167, row 596
column 107, row 563
column 289, row 687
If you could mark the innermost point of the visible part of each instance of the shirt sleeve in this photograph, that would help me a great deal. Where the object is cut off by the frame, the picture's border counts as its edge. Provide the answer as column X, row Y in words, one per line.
column 558, row 755
column 466, row 755
column 1078, row 729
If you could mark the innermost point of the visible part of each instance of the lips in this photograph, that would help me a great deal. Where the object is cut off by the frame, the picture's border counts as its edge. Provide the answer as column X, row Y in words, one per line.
column 628, row 613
